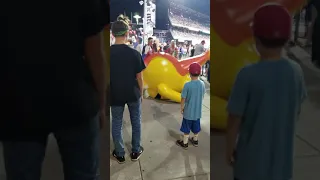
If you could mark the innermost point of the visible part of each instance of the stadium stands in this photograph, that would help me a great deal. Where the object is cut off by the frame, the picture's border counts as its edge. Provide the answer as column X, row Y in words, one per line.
column 188, row 24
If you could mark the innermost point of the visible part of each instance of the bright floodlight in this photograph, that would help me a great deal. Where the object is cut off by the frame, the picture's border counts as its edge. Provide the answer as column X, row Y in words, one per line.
column 136, row 16
column 140, row 2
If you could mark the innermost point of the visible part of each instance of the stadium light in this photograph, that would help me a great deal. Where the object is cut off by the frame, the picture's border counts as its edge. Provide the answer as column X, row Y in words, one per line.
column 141, row 3
column 137, row 17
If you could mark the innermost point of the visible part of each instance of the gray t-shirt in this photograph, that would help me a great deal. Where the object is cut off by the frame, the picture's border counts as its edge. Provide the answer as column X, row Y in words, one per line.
column 198, row 49
column 268, row 95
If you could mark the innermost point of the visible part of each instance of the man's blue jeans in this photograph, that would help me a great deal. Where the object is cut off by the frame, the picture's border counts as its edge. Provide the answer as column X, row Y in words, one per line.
column 79, row 150
column 117, row 121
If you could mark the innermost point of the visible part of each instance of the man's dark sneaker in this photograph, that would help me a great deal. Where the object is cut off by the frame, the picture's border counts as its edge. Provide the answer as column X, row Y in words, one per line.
column 193, row 142
column 181, row 144
column 136, row 156
column 120, row 159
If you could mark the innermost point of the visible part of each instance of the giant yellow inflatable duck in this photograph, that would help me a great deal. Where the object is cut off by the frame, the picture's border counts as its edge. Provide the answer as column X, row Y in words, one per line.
column 165, row 76
column 232, row 48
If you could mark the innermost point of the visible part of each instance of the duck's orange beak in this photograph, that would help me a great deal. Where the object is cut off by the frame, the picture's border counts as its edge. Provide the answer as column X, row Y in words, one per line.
column 201, row 59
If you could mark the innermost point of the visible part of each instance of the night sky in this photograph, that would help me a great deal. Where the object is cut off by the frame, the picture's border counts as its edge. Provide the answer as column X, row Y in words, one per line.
column 120, row 6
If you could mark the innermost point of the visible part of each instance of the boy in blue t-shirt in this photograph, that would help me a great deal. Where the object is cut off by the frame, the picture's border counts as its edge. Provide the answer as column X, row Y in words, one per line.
column 265, row 103
column 191, row 106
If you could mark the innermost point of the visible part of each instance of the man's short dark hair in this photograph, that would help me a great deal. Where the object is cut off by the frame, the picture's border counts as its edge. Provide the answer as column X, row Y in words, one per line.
column 272, row 43
column 121, row 26
column 150, row 38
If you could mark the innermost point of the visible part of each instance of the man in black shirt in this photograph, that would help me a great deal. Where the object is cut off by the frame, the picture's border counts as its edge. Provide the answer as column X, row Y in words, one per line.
column 126, row 88
column 53, row 80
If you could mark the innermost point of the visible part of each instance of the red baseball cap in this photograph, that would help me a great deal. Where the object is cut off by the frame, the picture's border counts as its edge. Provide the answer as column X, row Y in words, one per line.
column 195, row 68
column 272, row 21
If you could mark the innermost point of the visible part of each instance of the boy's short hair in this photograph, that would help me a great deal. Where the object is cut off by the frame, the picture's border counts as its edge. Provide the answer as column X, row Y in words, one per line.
column 272, row 43
column 195, row 75
column 120, row 27
column 272, row 25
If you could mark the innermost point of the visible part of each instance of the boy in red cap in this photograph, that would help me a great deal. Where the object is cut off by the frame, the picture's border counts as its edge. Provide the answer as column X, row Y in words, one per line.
column 265, row 103
column 191, row 106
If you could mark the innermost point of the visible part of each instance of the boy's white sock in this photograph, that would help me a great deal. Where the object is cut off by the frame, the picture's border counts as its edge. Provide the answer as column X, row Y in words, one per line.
column 185, row 139
column 195, row 137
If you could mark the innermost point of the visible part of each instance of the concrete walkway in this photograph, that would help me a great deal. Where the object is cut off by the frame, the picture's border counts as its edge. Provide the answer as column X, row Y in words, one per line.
column 52, row 166
column 307, row 152
column 163, row 159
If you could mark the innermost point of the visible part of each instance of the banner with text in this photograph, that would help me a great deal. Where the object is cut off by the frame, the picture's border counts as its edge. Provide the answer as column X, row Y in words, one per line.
column 150, row 13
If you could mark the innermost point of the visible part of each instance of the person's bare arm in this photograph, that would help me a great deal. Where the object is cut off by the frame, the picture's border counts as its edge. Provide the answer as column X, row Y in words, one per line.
column 140, row 82
column 234, row 122
column 96, row 58
column 140, row 66
column 236, row 108
column 183, row 100
column 184, row 94
column 203, row 50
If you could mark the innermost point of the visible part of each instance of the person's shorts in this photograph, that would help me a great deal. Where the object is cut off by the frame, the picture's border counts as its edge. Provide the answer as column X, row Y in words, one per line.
column 190, row 125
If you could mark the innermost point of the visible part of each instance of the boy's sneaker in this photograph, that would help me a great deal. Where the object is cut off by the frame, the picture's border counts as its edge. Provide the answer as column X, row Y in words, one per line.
column 136, row 156
column 120, row 159
column 194, row 142
column 181, row 144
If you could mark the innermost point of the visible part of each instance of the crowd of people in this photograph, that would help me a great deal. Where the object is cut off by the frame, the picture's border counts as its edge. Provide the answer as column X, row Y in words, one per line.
column 180, row 15
column 178, row 50
column 187, row 22
column 188, row 25
column 181, row 33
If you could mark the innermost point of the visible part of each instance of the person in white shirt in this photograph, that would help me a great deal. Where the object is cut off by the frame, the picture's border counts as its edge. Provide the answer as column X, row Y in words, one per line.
column 147, row 49
column 140, row 45
column 199, row 48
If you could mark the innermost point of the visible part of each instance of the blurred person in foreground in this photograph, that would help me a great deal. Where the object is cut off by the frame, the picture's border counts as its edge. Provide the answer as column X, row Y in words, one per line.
column 265, row 103
column 126, row 87
column 315, row 54
column 55, row 84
